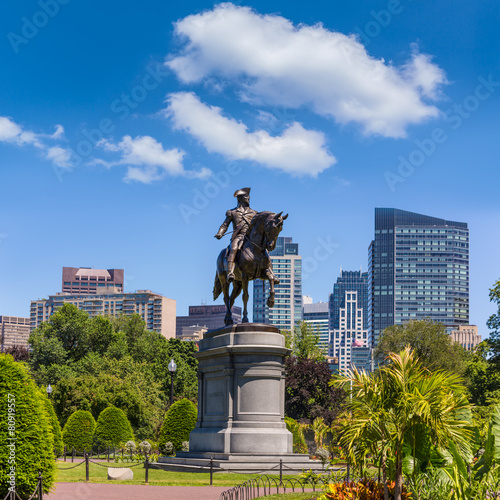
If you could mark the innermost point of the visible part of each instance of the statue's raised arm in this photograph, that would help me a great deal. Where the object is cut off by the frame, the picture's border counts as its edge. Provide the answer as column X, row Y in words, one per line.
column 247, row 258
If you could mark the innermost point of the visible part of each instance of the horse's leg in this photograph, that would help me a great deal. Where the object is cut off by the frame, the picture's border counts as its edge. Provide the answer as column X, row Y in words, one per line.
column 244, row 283
column 228, row 320
column 235, row 292
column 270, row 277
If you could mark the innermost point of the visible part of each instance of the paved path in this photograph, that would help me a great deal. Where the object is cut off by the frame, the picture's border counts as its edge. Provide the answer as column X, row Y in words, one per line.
column 94, row 491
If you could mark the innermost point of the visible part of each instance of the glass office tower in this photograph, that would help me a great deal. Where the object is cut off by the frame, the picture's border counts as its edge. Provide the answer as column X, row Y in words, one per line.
column 418, row 268
column 287, row 266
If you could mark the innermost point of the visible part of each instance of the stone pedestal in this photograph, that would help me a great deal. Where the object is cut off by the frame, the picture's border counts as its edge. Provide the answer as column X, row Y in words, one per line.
column 241, row 401
column 241, row 392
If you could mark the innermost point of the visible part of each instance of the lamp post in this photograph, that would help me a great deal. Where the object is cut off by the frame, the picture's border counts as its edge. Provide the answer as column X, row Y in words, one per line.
column 49, row 390
column 171, row 368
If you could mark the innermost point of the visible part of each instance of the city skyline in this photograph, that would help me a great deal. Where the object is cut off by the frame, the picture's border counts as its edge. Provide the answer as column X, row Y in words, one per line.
column 394, row 104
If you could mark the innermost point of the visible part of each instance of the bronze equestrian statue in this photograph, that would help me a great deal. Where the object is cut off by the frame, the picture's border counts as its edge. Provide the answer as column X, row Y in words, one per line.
column 247, row 257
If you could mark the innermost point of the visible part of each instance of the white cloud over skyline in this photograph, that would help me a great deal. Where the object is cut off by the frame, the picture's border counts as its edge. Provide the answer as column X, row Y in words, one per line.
column 13, row 133
column 148, row 161
column 273, row 62
column 296, row 151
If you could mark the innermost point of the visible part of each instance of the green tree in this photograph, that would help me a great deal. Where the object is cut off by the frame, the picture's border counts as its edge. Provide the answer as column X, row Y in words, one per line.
column 429, row 341
column 180, row 420
column 79, row 431
column 26, row 439
column 303, row 340
column 308, row 394
column 113, row 428
column 483, row 377
column 494, row 325
column 55, row 427
column 395, row 407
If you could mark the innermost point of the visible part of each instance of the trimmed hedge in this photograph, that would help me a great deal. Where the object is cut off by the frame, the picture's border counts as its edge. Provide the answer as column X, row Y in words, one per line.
column 54, row 424
column 26, row 439
column 180, row 420
column 113, row 428
column 79, row 431
column 299, row 441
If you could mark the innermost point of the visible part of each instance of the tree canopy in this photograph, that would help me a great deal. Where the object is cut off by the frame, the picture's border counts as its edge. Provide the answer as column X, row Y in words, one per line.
column 428, row 340
column 303, row 340
column 402, row 412
column 93, row 363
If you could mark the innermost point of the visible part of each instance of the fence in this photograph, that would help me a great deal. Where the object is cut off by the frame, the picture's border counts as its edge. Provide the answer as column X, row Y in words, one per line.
column 38, row 493
column 265, row 485
column 107, row 453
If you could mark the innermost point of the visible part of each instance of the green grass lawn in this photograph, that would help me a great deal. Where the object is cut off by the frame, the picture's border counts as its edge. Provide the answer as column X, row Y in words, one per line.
column 99, row 474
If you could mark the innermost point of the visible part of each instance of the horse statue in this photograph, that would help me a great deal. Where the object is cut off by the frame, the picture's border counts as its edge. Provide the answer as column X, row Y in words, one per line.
column 252, row 262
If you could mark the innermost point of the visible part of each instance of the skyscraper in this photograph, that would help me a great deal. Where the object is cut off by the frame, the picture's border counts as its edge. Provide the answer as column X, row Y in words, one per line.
column 317, row 316
column 348, row 320
column 418, row 268
column 287, row 266
column 85, row 280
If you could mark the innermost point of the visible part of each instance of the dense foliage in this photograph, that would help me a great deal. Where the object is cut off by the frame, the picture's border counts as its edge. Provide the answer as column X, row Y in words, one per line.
column 308, row 394
column 78, row 432
column 18, row 352
column 303, row 340
column 54, row 423
column 428, row 340
column 404, row 417
column 26, row 439
column 93, row 363
column 180, row 420
column 113, row 428
column 297, row 430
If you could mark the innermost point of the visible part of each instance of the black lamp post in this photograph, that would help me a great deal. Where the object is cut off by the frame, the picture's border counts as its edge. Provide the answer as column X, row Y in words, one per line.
column 171, row 368
column 49, row 390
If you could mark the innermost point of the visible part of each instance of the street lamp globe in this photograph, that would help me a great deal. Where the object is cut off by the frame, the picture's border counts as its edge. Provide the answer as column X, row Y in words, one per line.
column 49, row 390
column 172, row 366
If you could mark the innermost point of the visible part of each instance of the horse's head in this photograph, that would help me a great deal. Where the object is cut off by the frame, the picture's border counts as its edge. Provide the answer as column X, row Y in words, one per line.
column 272, row 229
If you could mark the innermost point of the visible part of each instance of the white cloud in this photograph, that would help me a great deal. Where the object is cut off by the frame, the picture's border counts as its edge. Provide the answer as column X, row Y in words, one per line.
column 11, row 132
column 276, row 63
column 60, row 157
column 147, row 161
column 297, row 151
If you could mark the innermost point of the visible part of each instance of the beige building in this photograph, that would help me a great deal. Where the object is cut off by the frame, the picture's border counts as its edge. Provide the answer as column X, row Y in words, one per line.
column 14, row 331
column 157, row 311
column 466, row 336
column 192, row 333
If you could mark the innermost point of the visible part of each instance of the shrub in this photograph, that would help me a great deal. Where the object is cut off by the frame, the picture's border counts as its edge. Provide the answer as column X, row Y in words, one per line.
column 54, row 424
column 145, row 447
column 168, row 448
column 324, row 455
column 180, row 420
column 23, row 417
column 79, row 430
column 364, row 489
column 112, row 428
column 130, row 447
column 185, row 446
column 299, row 441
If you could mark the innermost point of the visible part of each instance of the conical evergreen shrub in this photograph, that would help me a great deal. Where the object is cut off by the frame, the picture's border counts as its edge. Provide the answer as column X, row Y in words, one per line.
column 180, row 420
column 26, row 439
column 113, row 428
column 54, row 424
column 79, row 431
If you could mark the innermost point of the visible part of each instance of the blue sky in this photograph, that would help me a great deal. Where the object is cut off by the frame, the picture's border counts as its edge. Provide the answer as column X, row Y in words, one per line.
column 124, row 133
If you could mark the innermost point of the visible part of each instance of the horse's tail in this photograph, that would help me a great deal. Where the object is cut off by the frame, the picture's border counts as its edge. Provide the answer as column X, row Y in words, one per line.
column 217, row 287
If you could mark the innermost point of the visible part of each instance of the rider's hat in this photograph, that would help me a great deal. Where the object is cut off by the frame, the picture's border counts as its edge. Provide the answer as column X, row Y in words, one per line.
column 242, row 192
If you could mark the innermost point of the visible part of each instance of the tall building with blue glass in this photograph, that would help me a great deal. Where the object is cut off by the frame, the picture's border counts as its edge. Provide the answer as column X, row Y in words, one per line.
column 418, row 268
column 287, row 266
